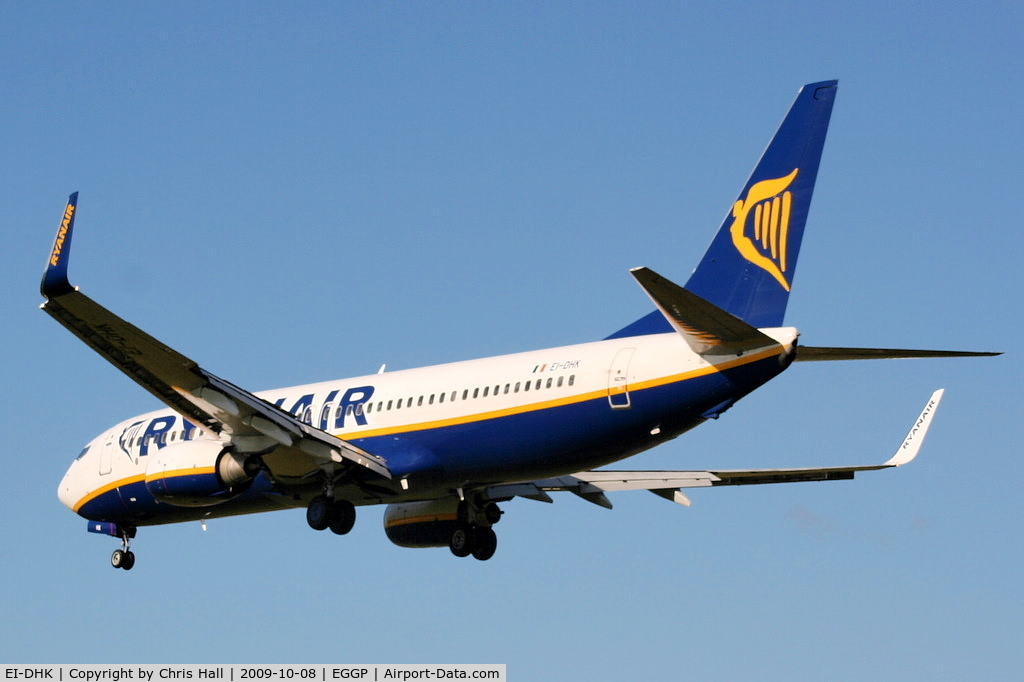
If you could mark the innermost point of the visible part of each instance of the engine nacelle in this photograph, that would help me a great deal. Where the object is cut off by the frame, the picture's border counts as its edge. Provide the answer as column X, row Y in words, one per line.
column 421, row 524
column 197, row 474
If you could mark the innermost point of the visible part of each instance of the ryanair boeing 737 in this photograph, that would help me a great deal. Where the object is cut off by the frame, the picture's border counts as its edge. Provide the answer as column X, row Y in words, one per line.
column 441, row 446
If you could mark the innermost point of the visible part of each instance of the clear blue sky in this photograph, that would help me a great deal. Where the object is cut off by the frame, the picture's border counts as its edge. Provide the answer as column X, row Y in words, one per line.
column 295, row 192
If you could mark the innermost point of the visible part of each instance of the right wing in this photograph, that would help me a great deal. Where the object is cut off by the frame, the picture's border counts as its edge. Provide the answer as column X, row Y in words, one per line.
column 290, row 448
column 592, row 485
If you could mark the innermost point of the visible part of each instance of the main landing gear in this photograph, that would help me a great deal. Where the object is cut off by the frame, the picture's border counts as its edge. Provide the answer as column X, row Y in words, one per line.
column 124, row 557
column 326, row 512
column 473, row 534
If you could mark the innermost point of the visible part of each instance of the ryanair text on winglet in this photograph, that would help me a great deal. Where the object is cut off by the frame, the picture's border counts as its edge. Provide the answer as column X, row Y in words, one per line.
column 925, row 415
column 58, row 244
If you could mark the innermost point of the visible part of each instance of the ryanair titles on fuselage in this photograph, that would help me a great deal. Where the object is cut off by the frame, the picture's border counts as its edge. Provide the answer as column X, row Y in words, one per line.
column 145, row 434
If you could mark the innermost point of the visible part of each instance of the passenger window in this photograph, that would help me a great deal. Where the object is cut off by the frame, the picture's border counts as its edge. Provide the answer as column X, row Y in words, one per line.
column 486, row 389
column 465, row 394
column 572, row 379
column 431, row 401
column 419, row 403
column 560, row 380
column 389, row 405
column 549, row 383
column 516, row 388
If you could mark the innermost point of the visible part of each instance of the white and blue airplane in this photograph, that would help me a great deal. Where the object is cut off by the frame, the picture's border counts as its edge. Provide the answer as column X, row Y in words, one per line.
column 441, row 446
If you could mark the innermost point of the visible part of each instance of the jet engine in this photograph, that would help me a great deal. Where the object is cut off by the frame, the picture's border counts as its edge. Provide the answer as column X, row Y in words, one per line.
column 198, row 474
column 422, row 524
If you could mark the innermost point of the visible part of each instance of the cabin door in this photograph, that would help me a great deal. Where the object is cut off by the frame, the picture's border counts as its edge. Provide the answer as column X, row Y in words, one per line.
column 618, row 380
column 107, row 456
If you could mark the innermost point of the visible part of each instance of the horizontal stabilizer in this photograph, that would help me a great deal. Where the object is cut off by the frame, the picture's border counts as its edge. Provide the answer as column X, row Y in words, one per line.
column 705, row 326
column 824, row 354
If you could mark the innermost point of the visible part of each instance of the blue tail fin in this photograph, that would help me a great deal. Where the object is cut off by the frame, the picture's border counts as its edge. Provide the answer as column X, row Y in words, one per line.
column 748, row 269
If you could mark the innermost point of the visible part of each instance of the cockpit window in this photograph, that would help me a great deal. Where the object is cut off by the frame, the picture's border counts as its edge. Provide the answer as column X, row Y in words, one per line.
column 82, row 453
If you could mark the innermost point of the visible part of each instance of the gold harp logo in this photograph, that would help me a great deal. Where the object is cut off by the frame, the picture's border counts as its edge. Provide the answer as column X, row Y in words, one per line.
column 766, row 207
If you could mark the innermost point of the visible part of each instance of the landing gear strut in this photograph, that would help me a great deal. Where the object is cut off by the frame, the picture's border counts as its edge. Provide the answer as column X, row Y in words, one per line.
column 473, row 534
column 124, row 557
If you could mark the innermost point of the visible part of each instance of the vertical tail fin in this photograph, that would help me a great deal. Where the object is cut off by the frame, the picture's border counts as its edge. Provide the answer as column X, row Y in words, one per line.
column 748, row 269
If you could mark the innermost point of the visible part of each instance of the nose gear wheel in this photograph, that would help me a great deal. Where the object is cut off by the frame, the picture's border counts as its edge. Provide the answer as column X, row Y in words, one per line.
column 124, row 557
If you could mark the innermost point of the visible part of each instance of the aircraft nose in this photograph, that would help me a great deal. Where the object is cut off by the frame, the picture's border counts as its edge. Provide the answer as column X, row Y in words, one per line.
column 65, row 493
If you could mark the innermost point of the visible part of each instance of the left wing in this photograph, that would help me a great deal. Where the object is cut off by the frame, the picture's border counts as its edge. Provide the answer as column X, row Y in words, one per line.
column 290, row 448
column 592, row 485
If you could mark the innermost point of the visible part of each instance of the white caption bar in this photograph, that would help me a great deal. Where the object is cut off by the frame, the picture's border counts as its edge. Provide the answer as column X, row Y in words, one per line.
column 252, row 673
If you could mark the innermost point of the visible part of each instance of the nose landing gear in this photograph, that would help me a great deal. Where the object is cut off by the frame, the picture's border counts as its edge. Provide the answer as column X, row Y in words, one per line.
column 124, row 557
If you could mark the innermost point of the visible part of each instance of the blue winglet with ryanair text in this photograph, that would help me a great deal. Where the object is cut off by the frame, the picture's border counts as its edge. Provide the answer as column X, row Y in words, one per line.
column 748, row 269
column 55, row 279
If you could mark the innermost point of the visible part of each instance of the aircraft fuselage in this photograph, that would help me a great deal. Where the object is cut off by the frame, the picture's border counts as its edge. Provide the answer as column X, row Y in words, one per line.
column 459, row 425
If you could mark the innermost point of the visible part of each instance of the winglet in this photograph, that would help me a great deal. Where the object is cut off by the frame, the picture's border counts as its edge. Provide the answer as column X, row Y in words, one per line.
column 912, row 443
column 55, row 279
